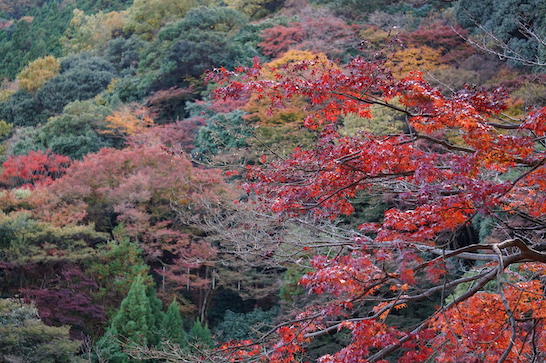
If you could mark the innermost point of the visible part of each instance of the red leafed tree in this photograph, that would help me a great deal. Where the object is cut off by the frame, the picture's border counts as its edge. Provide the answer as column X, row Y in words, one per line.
column 65, row 299
column 459, row 161
column 317, row 31
column 281, row 38
column 36, row 167
column 137, row 187
column 448, row 39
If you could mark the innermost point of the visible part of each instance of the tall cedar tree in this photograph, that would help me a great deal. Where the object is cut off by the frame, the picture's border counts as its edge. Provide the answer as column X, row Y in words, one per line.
column 138, row 321
column 173, row 328
column 460, row 159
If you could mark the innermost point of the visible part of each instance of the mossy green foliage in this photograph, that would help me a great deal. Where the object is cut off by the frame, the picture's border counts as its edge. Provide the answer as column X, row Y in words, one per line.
column 199, row 336
column 25, row 338
column 145, row 17
column 24, row 239
column 117, row 265
column 242, row 326
column 203, row 39
column 77, row 131
column 172, row 328
column 81, row 77
column 137, row 322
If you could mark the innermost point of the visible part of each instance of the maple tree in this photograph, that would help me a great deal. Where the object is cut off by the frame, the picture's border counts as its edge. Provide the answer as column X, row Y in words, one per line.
column 128, row 120
column 459, row 161
column 448, row 39
column 280, row 38
column 318, row 31
column 137, row 187
column 36, row 167
column 293, row 113
column 66, row 299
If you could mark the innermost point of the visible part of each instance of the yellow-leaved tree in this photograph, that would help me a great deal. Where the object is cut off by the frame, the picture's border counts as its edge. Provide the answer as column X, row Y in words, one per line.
column 38, row 72
column 289, row 113
column 89, row 32
column 255, row 9
column 424, row 59
column 128, row 120
column 145, row 17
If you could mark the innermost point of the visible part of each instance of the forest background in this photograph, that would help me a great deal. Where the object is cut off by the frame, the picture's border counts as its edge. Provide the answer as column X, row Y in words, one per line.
column 126, row 222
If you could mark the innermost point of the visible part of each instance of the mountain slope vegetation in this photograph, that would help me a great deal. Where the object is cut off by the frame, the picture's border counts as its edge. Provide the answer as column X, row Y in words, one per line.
column 335, row 181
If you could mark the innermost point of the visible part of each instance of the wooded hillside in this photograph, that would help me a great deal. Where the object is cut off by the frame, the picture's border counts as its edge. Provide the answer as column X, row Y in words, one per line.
column 272, row 180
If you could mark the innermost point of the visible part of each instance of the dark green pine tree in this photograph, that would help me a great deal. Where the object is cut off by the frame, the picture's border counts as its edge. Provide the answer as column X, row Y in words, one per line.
column 138, row 321
column 156, row 317
column 173, row 330
column 199, row 336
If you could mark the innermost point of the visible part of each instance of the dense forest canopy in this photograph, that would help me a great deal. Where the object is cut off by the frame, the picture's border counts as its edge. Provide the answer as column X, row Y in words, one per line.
column 278, row 180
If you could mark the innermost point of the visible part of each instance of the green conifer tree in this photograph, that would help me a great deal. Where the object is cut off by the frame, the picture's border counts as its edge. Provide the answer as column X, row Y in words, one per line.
column 137, row 322
column 200, row 336
column 156, row 317
column 173, row 330
column 134, row 319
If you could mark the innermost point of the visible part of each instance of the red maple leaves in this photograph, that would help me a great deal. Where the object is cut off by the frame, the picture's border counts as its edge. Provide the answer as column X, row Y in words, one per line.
column 458, row 157
column 36, row 167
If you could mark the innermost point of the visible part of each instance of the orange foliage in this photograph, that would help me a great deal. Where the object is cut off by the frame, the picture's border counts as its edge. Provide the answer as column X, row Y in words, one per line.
column 283, row 113
column 478, row 329
column 128, row 120
column 414, row 59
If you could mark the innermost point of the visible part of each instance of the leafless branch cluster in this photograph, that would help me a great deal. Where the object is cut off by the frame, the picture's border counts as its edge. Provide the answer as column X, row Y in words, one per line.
column 492, row 44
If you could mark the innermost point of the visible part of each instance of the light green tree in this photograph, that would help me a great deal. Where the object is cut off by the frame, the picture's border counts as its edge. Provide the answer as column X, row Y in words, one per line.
column 92, row 32
column 137, row 323
column 199, row 336
column 145, row 17
column 25, row 338
column 172, row 329
column 116, row 269
column 384, row 121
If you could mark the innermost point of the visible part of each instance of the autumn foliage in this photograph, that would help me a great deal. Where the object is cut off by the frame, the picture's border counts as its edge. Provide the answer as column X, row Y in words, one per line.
column 460, row 159
column 34, row 168
column 128, row 120
column 316, row 32
column 305, row 205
